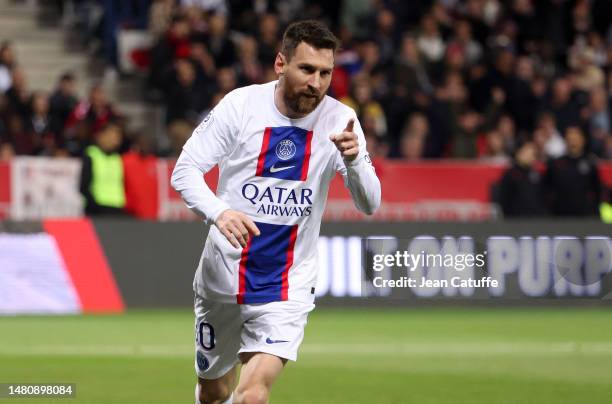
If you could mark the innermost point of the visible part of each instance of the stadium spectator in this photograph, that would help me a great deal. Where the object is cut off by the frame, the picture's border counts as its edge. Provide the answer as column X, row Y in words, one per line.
column 411, row 147
column 563, row 106
column 178, row 133
column 102, row 175
column 268, row 36
column 6, row 151
column 369, row 59
column 572, row 181
column 7, row 62
column 409, row 71
column 521, row 191
column 493, row 150
column 385, row 34
column 548, row 138
column 414, row 135
column 160, row 16
column 362, row 101
column 226, row 81
column 250, row 69
column 587, row 74
column 62, row 102
column 21, row 142
column 218, row 42
column 507, row 129
column 87, row 118
column 598, row 114
column 198, row 25
column 170, row 47
column 18, row 95
column 140, row 179
column 378, row 149
column 188, row 98
column 464, row 41
column 39, row 127
column 429, row 40
column 203, row 63
column 468, row 129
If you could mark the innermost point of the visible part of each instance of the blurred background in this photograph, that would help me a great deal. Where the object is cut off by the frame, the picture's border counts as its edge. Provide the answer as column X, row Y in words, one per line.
column 483, row 109
column 489, row 123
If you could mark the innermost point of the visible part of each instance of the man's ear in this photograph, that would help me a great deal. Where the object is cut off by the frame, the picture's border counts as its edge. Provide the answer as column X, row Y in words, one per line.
column 280, row 63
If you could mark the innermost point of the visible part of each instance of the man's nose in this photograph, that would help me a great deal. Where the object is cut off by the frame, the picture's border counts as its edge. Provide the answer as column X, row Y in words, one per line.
column 315, row 81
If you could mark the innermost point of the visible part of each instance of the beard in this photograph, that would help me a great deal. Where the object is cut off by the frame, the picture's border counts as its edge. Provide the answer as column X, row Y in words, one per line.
column 301, row 102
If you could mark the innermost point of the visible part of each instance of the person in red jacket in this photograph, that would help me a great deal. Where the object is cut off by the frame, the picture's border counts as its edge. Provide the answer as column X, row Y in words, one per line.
column 140, row 178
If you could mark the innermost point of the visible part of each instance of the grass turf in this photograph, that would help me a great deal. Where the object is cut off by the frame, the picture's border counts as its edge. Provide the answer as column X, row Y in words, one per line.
column 462, row 355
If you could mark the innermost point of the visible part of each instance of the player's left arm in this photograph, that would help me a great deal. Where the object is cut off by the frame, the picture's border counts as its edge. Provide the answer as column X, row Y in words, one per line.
column 356, row 167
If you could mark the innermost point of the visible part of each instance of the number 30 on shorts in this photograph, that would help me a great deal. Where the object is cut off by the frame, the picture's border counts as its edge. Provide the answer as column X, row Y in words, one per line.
column 205, row 336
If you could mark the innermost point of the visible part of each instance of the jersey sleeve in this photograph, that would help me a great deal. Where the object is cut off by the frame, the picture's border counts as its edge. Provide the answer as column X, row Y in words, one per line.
column 359, row 175
column 211, row 142
column 215, row 136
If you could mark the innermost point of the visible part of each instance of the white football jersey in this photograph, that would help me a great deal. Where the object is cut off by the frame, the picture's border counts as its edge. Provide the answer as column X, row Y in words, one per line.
column 277, row 171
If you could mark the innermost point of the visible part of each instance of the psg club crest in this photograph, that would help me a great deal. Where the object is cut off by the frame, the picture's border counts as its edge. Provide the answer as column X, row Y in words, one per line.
column 285, row 149
column 285, row 153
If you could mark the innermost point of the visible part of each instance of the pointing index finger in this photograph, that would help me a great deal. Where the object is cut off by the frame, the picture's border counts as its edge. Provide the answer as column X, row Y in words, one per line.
column 349, row 125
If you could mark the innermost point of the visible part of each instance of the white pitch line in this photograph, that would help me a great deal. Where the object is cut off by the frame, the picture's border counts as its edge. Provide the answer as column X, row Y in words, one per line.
column 353, row 349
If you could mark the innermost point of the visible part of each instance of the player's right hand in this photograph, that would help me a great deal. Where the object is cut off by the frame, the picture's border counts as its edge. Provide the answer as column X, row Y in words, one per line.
column 236, row 227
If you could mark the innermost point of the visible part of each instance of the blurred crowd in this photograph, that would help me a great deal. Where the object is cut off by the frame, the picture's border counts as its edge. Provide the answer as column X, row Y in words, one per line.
column 470, row 79
column 429, row 79
column 42, row 124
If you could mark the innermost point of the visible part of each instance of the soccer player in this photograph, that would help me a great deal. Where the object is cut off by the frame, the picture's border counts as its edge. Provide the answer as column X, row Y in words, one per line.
column 278, row 145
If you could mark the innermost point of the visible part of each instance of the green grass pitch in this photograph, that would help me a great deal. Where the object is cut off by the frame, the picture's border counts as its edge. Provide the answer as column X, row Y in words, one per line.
column 463, row 355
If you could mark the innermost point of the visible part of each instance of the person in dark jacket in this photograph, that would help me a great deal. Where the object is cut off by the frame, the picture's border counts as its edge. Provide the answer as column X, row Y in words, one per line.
column 572, row 181
column 62, row 102
column 521, row 190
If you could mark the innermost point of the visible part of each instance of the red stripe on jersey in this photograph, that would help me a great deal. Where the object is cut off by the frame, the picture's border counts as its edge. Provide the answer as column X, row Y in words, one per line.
column 262, row 154
column 289, row 263
column 242, row 273
column 306, row 156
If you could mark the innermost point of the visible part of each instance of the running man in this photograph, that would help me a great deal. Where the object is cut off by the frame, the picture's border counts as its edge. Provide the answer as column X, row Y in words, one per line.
column 278, row 145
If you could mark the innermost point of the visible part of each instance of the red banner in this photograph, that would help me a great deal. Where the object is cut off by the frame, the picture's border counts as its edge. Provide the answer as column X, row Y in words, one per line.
column 442, row 190
column 436, row 190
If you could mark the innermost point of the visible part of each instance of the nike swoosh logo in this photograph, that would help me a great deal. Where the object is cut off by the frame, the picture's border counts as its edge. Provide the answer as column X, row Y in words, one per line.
column 277, row 169
column 274, row 341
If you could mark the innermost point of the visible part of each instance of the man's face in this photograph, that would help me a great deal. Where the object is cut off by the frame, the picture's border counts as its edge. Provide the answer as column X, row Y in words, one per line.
column 527, row 155
column 109, row 140
column 306, row 77
column 575, row 141
column 67, row 87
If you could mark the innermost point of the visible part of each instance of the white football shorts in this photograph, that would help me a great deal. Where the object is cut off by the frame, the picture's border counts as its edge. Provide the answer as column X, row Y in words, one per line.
column 224, row 330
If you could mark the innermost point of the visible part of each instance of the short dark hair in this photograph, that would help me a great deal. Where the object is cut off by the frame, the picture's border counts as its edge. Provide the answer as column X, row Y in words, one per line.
column 67, row 76
column 312, row 32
